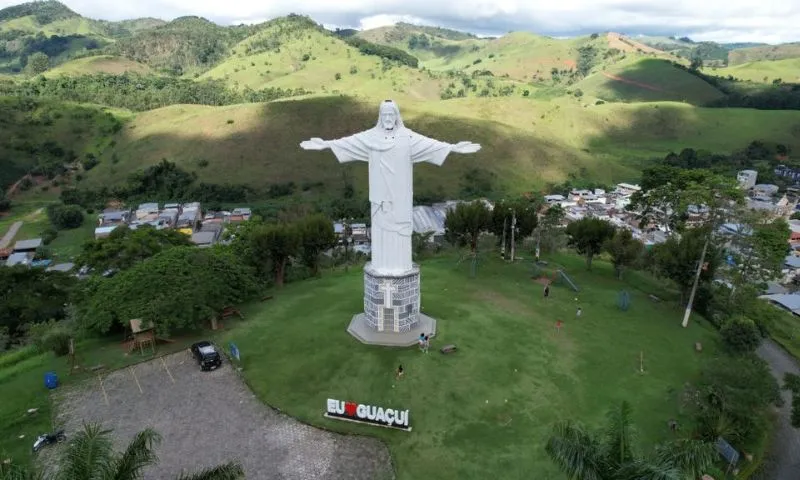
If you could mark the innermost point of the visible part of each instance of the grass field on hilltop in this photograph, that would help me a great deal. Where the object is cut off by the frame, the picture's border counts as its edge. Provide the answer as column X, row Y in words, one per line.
column 99, row 64
column 764, row 52
column 310, row 59
column 487, row 410
column 526, row 143
column 648, row 80
column 788, row 70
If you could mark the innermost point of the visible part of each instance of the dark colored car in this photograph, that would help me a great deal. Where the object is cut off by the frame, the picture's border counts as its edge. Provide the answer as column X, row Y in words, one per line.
column 206, row 355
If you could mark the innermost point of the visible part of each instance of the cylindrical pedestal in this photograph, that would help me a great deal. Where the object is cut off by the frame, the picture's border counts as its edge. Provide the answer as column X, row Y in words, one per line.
column 391, row 302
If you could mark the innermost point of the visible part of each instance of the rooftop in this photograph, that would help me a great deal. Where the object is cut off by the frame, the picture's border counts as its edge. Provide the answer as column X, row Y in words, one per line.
column 31, row 244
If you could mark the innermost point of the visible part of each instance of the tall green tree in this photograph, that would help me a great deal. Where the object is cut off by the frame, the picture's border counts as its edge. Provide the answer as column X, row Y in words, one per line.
column 588, row 235
column 624, row 250
column 550, row 235
column 32, row 295
column 465, row 224
column 90, row 455
column 38, row 62
column 178, row 288
column 516, row 215
column 65, row 217
column 274, row 244
column 611, row 453
column 124, row 247
column 316, row 235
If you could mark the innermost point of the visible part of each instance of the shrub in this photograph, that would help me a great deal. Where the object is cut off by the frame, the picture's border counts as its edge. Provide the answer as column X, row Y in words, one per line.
column 740, row 335
column 50, row 336
column 49, row 235
column 64, row 217
column 338, row 76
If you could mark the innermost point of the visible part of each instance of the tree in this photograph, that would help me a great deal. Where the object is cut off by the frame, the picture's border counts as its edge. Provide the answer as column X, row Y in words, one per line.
column 32, row 295
column 740, row 335
column 38, row 63
column 549, row 232
column 65, row 217
column 677, row 259
column 770, row 245
column 90, row 455
column 611, row 453
column 181, row 287
column 735, row 394
column 519, row 212
column 465, row 223
column 316, row 236
column 274, row 245
column 623, row 249
column 588, row 235
column 124, row 247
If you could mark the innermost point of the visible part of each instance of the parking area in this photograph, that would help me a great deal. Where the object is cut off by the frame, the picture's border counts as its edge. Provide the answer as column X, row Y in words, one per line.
column 208, row 418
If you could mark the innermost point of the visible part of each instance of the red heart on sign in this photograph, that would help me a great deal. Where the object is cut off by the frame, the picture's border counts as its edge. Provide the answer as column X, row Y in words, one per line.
column 350, row 409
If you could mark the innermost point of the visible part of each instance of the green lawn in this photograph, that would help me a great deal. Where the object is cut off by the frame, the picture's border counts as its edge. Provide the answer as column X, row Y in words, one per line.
column 485, row 411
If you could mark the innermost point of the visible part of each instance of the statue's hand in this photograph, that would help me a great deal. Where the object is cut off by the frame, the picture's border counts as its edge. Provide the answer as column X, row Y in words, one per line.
column 314, row 144
column 466, row 147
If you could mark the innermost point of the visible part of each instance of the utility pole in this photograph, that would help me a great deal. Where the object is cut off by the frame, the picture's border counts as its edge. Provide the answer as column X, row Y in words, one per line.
column 513, row 226
column 688, row 311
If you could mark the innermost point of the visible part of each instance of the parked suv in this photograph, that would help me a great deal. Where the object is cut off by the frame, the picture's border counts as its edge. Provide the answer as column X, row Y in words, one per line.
column 206, row 355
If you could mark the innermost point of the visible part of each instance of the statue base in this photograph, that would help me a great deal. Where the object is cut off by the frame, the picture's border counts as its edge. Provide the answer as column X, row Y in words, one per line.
column 391, row 309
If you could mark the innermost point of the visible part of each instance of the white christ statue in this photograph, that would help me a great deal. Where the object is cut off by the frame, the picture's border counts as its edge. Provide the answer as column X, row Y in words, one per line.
column 391, row 149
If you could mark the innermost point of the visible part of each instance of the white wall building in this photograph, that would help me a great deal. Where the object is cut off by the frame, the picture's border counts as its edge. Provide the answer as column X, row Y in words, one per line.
column 747, row 179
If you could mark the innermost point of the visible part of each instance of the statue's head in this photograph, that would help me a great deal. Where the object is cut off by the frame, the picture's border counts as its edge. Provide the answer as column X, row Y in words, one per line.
column 389, row 116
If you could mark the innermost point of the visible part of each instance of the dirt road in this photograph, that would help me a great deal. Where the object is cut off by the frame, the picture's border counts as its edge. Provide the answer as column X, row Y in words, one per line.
column 10, row 234
column 783, row 461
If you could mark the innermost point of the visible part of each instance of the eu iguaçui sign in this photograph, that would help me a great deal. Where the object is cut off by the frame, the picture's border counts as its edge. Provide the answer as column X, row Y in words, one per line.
column 362, row 413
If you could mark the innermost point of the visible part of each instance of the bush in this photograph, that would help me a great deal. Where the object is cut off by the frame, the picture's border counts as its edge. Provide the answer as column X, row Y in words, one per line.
column 740, row 335
column 65, row 217
column 49, row 235
column 50, row 336
column 5, row 203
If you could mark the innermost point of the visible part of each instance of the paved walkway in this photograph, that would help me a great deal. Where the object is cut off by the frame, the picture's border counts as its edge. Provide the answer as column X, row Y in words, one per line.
column 783, row 461
column 10, row 234
column 208, row 418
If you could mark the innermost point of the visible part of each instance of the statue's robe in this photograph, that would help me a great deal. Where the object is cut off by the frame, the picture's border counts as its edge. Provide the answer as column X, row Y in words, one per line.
column 391, row 190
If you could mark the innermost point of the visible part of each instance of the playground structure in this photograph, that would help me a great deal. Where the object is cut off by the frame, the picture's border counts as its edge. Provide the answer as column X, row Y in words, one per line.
column 142, row 335
column 548, row 277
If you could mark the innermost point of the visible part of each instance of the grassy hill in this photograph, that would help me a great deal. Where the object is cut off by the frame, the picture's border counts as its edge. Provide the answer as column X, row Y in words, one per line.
column 425, row 43
column 294, row 52
column 766, row 71
column 765, row 52
column 526, row 143
column 711, row 53
column 184, row 46
column 41, row 136
column 99, row 64
column 648, row 80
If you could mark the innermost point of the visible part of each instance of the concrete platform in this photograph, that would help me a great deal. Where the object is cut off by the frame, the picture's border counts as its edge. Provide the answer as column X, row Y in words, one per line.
column 365, row 334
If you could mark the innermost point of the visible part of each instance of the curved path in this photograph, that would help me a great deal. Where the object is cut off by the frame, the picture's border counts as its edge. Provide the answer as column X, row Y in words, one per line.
column 783, row 461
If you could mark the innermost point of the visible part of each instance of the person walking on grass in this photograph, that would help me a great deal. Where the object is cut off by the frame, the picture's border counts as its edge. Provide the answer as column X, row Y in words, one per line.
column 547, row 290
column 421, row 342
column 427, row 343
column 399, row 373
column 579, row 312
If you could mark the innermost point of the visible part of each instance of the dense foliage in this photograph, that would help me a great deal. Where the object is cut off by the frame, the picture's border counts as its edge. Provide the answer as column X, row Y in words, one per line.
column 65, row 217
column 140, row 92
column 383, row 51
column 124, row 247
column 623, row 249
column 733, row 399
column 31, row 295
column 516, row 215
column 740, row 335
column 465, row 224
column 164, row 182
column 588, row 236
column 181, row 287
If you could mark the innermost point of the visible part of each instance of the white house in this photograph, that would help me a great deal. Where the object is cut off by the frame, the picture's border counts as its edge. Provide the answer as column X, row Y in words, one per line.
column 747, row 179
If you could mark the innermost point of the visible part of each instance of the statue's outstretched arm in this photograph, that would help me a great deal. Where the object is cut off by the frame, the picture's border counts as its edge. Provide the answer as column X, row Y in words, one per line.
column 424, row 149
column 347, row 149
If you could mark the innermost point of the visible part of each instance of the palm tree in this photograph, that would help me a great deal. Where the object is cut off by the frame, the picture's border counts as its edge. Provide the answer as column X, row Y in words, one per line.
column 610, row 454
column 90, row 455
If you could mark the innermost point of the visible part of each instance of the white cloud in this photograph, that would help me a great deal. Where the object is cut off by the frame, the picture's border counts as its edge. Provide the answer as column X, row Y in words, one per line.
column 722, row 20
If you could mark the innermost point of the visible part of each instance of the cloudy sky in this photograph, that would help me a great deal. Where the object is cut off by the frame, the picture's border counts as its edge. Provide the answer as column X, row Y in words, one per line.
column 770, row 21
